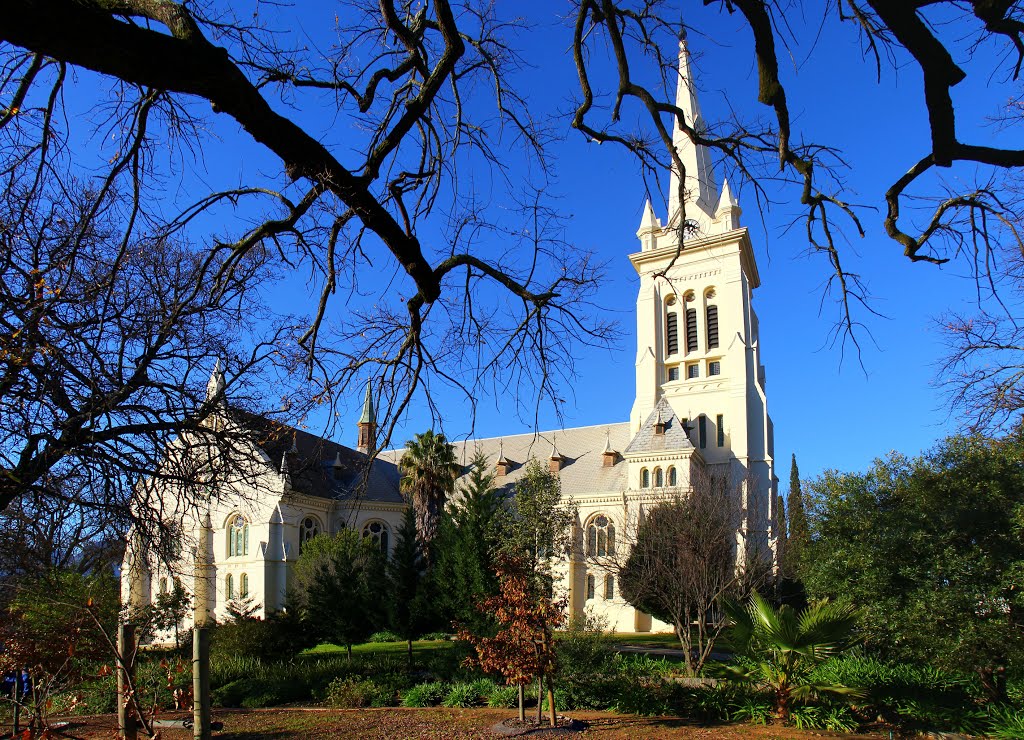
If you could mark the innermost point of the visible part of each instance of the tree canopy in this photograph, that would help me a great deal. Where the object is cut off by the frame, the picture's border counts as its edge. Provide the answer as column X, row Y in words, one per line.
column 930, row 549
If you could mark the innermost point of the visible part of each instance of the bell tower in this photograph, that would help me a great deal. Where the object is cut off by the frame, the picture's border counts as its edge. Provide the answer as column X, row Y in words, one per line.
column 697, row 333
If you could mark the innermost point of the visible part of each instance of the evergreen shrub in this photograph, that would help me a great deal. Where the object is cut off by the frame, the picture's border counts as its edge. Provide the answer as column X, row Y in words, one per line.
column 424, row 695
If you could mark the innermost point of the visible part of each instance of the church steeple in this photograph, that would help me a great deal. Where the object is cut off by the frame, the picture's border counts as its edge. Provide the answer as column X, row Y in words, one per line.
column 368, row 425
column 701, row 192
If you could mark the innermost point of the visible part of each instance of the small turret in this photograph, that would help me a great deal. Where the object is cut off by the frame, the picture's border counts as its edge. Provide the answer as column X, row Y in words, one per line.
column 368, row 425
column 728, row 211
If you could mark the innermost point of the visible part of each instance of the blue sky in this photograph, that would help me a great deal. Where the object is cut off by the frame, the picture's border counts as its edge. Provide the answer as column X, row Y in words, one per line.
column 831, row 408
column 827, row 408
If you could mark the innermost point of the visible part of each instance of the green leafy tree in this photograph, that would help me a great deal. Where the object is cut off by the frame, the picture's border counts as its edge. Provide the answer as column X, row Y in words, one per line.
column 786, row 646
column 470, row 538
column 799, row 535
column 540, row 525
column 337, row 588
column 931, row 549
column 409, row 599
column 429, row 471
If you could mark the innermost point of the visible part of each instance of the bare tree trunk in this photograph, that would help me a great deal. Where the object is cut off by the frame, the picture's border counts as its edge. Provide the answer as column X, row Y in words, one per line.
column 540, row 698
column 552, row 715
column 126, row 725
column 409, row 644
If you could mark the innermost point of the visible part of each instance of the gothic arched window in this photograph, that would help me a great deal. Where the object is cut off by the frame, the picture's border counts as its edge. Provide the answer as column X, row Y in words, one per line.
column 659, row 478
column 243, row 585
column 238, row 536
column 645, row 478
column 672, row 479
column 229, row 586
column 378, row 532
column 309, row 528
column 600, row 536
column 671, row 327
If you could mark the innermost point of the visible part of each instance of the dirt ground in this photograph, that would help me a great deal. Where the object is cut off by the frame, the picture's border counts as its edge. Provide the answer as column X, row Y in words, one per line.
column 395, row 723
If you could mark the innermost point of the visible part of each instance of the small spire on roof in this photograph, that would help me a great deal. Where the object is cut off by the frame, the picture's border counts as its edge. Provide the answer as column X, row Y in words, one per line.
column 215, row 385
column 337, row 460
column 649, row 222
column 609, row 456
column 295, row 447
column 501, row 452
column 728, row 207
column 608, row 442
column 369, row 413
column 555, row 454
column 286, row 477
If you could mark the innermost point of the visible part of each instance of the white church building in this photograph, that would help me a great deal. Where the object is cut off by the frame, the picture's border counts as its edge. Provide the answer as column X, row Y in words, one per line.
column 700, row 403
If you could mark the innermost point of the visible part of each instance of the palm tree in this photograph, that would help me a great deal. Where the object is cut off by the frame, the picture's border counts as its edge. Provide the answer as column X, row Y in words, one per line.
column 429, row 471
column 787, row 645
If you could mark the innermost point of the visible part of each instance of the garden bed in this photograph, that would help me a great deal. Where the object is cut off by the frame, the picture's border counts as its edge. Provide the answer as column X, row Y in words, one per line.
column 440, row 722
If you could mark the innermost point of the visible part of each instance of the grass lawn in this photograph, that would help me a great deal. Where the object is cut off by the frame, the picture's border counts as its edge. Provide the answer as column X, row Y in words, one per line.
column 380, row 648
column 294, row 724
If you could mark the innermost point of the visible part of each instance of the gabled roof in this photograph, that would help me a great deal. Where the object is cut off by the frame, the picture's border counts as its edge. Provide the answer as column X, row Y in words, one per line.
column 674, row 438
column 322, row 468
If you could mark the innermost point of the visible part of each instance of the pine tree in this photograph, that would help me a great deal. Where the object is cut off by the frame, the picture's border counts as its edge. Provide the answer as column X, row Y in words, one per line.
column 799, row 534
column 469, row 538
column 408, row 607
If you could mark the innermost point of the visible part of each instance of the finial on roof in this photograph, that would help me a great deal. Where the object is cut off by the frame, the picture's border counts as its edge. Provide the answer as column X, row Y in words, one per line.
column 369, row 413
column 215, row 385
column 728, row 207
column 295, row 447
column 501, row 452
column 682, row 32
column 608, row 442
column 648, row 222
column 337, row 460
column 286, row 476
column 555, row 454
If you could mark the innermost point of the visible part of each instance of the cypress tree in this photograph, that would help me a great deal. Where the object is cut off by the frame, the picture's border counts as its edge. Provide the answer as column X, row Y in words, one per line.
column 782, row 534
column 408, row 602
column 799, row 534
column 470, row 534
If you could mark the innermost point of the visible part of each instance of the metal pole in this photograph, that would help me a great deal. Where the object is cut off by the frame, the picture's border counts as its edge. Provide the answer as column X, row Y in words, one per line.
column 201, row 683
column 126, row 723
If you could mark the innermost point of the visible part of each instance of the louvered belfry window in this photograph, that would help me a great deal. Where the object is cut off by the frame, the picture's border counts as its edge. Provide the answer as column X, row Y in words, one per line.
column 671, row 333
column 691, row 330
column 712, row 327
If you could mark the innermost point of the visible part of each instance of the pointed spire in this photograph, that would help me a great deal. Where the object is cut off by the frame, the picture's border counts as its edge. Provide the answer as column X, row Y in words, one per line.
column 369, row 413
column 700, row 175
column 555, row 454
column 728, row 209
column 286, row 477
column 609, row 456
column 295, row 447
column 215, row 385
column 367, row 425
column 557, row 459
column 337, row 460
column 501, row 452
column 649, row 222
column 608, row 441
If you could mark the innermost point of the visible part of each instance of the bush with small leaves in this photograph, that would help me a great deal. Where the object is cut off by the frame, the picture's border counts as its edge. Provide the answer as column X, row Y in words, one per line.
column 385, row 636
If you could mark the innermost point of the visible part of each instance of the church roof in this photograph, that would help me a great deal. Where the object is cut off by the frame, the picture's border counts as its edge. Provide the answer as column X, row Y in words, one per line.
column 673, row 438
column 322, row 468
column 583, row 470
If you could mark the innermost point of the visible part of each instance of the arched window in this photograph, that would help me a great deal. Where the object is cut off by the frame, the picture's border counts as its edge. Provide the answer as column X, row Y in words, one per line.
column 609, row 587
column 238, row 536
column 378, row 532
column 229, row 586
column 163, row 585
column 309, row 528
column 711, row 314
column 591, row 586
column 659, row 478
column 243, row 585
column 671, row 326
column 645, row 478
column 600, row 537
column 672, row 480
column 691, row 322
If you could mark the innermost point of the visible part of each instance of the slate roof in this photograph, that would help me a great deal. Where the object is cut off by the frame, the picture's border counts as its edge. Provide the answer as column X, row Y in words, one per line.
column 583, row 470
column 320, row 467
column 674, row 438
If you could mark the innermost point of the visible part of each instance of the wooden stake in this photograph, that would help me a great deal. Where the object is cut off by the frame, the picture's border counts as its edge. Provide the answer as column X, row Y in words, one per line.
column 201, row 683
column 127, row 727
